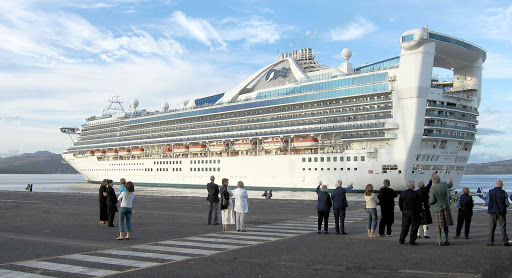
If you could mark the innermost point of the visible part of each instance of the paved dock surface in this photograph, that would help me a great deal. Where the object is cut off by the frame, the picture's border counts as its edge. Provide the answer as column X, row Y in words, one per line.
column 59, row 235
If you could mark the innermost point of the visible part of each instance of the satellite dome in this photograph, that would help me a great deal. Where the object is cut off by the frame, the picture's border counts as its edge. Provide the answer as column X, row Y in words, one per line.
column 135, row 103
column 346, row 53
column 165, row 106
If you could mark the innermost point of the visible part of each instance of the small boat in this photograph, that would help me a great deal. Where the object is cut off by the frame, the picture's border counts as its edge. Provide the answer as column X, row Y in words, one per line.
column 198, row 148
column 181, row 149
column 217, row 146
column 137, row 151
column 167, row 149
column 100, row 153
column 89, row 153
column 304, row 143
column 125, row 152
column 273, row 143
column 243, row 145
column 112, row 152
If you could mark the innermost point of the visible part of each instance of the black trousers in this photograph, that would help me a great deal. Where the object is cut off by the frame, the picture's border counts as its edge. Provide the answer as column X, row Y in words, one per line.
column 461, row 219
column 386, row 220
column 339, row 219
column 325, row 217
column 410, row 220
column 111, row 210
column 103, row 211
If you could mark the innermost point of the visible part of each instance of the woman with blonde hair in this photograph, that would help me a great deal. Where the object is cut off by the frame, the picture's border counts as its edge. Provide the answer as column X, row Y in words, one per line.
column 371, row 209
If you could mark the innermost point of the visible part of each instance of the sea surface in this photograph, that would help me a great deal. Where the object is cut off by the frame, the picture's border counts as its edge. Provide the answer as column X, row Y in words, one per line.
column 77, row 184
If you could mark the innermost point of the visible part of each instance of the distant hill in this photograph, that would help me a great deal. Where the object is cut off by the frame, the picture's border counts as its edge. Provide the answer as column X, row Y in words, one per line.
column 42, row 162
column 491, row 168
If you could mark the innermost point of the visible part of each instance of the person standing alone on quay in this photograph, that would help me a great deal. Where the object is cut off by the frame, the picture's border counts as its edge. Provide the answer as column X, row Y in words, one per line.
column 387, row 208
column 426, row 217
column 323, row 206
column 410, row 208
column 213, row 201
column 241, row 206
column 111, row 203
column 497, row 203
column 339, row 206
column 103, row 202
column 465, row 212
column 439, row 199
column 126, row 198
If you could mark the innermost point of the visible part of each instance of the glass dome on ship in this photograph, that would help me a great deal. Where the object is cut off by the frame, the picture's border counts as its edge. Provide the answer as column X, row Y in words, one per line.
column 296, row 121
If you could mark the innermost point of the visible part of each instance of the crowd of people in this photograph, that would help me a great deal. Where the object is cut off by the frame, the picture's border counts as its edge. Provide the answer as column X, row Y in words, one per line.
column 415, row 208
column 108, row 205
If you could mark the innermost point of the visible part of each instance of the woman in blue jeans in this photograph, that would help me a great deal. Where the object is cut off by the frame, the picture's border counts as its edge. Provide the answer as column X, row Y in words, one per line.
column 126, row 199
column 371, row 209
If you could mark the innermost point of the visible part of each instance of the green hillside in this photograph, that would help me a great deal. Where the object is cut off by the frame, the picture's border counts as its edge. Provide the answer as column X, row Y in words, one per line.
column 492, row 168
column 35, row 163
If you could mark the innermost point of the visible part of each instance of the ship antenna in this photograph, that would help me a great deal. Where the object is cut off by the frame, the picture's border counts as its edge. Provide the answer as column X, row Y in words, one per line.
column 115, row 103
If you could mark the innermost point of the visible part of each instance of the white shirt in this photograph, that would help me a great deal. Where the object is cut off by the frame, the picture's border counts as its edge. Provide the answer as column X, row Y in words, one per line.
column 241, row 204
column 126, row 199
column 371, row 201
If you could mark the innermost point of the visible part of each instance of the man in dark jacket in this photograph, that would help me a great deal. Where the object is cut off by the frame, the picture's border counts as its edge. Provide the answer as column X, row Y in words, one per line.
column 323, row 207
column 465, row 212
column 339, row 206
column 497, row 203
column 410, row 208
column 213, row 201
column 387, row 208
column 111, row 203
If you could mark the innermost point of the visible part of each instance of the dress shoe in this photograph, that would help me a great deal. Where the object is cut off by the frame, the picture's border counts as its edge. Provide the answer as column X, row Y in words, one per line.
column 446, row 243
column 426, row 237
column 506, row 244
column 401, row 241
column 413, row 243
column 343, row 233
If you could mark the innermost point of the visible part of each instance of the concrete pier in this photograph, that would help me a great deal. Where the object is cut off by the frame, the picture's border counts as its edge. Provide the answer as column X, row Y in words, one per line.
column 59, row 235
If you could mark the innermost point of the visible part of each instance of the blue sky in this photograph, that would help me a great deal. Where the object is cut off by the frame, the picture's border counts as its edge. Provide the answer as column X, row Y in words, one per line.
column 60, row 60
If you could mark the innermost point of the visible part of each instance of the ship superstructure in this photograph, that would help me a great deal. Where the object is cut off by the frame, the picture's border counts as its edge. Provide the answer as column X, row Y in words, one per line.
column 296, row 122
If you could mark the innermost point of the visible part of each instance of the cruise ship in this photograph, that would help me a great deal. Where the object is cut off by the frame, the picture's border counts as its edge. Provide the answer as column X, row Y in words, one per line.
column 296, row 122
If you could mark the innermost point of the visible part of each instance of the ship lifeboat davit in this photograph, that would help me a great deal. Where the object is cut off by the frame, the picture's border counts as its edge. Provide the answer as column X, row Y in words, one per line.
column 217, row 146
column 304, row 143
column 181, row 149
column 89, row 153
column 100, row 153
column 137, row 151
column 201, row 148
column 112, row 152
column 243, row 145
column 125, row 152
column 273, row 143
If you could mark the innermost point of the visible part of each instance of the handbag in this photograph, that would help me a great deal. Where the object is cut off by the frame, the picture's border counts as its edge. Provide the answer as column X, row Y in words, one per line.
column 225, row 202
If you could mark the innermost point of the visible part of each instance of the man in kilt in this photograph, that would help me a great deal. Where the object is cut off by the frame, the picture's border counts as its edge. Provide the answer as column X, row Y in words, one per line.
column 440, row 203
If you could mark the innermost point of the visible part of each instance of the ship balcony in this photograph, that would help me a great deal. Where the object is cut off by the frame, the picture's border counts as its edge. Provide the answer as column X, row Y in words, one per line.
column 444, row 136
column 455, row 118
column 447, row 127
column 453, row 108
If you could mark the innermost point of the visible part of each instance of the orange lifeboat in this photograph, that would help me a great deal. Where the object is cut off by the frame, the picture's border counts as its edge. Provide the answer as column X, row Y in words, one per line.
column 137, row 151
column 217, row 146
column 304, row 143
column 181, row 149
column 89, row 153
column 167, row 149
column 243, row 145
column 201, row 148
column 273, row 143
column 100, row 153
column 125, row 152
column 112, row 152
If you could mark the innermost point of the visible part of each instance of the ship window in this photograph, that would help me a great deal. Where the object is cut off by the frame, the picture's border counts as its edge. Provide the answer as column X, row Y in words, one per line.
column 321, row 159
column 316, row 159
column 316, row 169
column 303, row 169
column 341, row 158
column 210, row 161
column 334, row 159
column 309, row 159
column 328, row 169
column 218, row 161
column 303, row 159
column 355, row 158
column 214, row 169
column 210, row 169
column 362, row 157
column 355, row 169
column 202, row 162
column 341, row 169
column 328, row 159
column 321, row 169
column 309, row 169
column 214, row 161
column 348, row 158
column 180, row 162
column 218, row 169
column 348, row 169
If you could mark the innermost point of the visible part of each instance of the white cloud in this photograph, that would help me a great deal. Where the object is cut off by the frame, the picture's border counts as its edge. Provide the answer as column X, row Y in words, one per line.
column 497, row 23
column 353, row 30
column 199, row 29
column 497, row 65
column 255, row 30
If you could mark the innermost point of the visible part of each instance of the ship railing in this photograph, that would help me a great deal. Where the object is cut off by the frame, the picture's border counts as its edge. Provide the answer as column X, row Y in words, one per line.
column 253, row 121
column 452, row 127
column 451, row 117
column 232, row 136
column 449, row 136
column 453, row 108
column 246, row 128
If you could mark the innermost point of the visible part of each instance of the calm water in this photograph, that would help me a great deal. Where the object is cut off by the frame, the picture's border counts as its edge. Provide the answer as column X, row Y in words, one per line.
column 76, row 183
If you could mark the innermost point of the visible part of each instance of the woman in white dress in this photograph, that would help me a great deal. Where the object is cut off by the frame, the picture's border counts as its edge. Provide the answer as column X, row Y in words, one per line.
column 241, row 206
column 226, row 205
